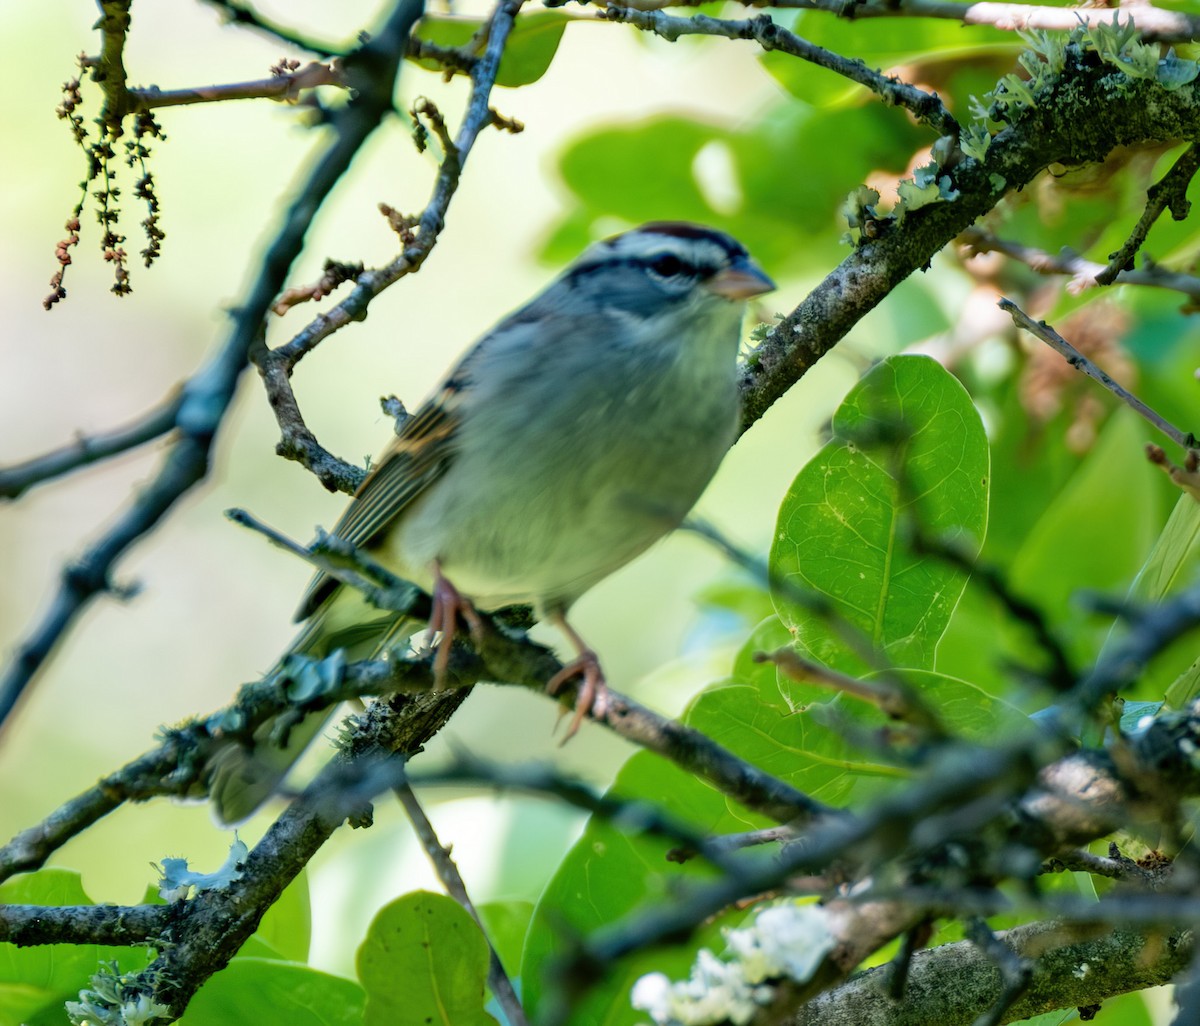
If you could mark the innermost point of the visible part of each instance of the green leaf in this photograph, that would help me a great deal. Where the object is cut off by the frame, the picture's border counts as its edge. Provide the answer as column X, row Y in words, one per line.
column 1086, row 540
column 424, row 960
column 36, row 981
column 1172, row 564
column 908, row 451
column 964, row 707
column 608, row 170
column 286, row 930
column 264, row 990
column 506, row 923
column 527, row 56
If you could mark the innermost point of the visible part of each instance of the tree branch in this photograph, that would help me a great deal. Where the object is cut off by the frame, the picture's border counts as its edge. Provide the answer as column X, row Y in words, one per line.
column 1154, row 24
column 275, row 366
column 207, row 394
column 925, row 107
column 87, row 449
column 1116, row 963
column 1064, row 126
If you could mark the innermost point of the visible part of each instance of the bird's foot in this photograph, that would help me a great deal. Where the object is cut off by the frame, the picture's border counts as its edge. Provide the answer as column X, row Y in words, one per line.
column 592, row 696
column 448, row 605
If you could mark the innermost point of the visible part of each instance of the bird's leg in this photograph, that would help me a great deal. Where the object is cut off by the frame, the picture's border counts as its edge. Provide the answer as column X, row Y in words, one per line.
column 443, row 618
column 592, row 696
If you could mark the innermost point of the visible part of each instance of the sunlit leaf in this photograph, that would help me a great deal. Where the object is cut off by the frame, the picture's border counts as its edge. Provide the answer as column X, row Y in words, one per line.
column 1086, row 540
column 424, row 960
column 908, row 453
column 530, row 49
column 36, row 981
column 263, row 990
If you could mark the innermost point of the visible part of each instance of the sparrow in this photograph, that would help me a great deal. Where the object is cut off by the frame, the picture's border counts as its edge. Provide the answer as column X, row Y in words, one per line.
column 572, row 436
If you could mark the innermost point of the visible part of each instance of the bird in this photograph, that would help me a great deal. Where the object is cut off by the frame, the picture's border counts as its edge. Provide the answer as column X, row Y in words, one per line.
column 573, row 435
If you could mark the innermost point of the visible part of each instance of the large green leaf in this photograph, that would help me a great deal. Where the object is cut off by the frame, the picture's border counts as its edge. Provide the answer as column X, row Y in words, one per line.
column 424, row 960
column 530, row 48
column 253, row 991
column 611, row 873
column 908, row 451
column 1095, row 535
column 641, row 172
column 36, row 981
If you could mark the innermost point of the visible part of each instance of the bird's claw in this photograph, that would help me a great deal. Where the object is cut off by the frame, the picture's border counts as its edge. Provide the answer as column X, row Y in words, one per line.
column 592, row 696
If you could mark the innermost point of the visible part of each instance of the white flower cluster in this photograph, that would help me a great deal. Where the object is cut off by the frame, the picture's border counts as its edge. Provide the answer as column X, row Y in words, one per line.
column 783, row 941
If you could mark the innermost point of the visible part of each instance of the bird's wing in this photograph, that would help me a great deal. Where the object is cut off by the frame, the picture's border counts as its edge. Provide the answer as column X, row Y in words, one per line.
column 416, row 458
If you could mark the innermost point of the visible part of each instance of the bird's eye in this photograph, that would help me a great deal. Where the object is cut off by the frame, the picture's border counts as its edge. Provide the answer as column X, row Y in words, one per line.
column 668, row 266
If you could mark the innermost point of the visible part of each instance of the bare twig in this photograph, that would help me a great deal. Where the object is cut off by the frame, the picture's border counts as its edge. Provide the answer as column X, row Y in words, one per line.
column 1169, row 193
column 278, row 87
column 1154, row 24
column 88, row 449
column 1076, row 359
column 1084, row 273
column 447, row 871
column 890, row 695
column 1113, row 866
column 297, row 442
column 925, row 107
column 243, row 14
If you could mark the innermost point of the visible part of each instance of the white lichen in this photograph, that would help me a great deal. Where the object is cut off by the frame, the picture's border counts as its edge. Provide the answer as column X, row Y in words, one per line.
column 783, row 942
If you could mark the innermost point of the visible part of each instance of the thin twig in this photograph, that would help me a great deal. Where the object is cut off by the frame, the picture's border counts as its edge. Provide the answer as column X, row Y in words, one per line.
column 1112, row 867
column 208, row 393
column 1081, row 363
column 88, row 449
column 297, row 441
column 243, row 14
column 278, row 87
column 1084, row 273
column 447, row 871
column 891, row 696
column 343, row 562
column 925, row 107
column 1169, row 192
column 1153, row 23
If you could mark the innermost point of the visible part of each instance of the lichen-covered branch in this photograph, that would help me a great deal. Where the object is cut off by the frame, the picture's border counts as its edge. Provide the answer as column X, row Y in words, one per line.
column 1155, row 24
column 1066, row 125
column 926, row 107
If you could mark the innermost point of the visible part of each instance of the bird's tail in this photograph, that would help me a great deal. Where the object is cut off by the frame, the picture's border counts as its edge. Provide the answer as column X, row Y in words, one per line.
column 241, row 777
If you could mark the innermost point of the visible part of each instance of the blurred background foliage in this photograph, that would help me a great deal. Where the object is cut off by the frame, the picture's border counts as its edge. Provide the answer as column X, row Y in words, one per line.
column 620, row 128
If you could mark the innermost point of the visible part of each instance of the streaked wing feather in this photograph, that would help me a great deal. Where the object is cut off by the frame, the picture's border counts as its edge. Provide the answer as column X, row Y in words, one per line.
column 418, row 457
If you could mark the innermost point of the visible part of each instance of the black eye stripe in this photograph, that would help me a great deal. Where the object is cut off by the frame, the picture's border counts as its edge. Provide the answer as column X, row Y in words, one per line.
column 643, row 264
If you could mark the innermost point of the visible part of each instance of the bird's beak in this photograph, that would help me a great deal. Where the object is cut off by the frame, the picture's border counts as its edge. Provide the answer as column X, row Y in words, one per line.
column 744, row 279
